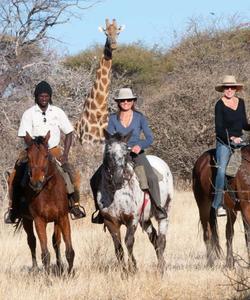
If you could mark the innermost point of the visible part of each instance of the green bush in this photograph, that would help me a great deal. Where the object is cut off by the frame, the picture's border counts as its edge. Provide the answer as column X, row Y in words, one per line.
column 140, row 64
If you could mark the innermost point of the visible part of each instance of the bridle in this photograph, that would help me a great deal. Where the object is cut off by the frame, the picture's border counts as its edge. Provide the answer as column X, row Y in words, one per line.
column 127, row 175
column 47, row 177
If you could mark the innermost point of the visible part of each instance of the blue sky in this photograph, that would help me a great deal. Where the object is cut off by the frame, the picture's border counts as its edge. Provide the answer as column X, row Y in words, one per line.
column 152, row 22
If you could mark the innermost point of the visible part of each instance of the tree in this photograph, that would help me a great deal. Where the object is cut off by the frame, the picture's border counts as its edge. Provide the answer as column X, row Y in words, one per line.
column 24, row 25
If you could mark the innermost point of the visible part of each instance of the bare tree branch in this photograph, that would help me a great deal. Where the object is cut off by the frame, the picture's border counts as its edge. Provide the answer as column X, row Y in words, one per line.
column 24, row 24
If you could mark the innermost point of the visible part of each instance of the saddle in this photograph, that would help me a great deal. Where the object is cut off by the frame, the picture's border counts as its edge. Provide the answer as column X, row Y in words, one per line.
column 232, row 168
column 66, row 177
column 234, row 163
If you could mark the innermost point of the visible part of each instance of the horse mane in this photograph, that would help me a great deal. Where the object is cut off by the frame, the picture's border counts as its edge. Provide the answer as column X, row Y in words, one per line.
column 38, row 140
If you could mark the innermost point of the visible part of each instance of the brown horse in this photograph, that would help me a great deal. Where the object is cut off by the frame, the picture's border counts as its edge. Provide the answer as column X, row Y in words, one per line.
column 204, row 172
column 43, row 200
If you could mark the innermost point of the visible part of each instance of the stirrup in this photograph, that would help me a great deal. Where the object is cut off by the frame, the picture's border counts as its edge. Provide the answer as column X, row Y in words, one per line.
column 221, row 212
column 7, row 219
column 81, row 210
column 98, row 219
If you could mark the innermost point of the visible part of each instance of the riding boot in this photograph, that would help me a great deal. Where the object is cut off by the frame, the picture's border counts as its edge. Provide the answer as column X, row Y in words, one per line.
column 98, row 219
column 10, row 216
column 74, row 206
column 159, row 212
column 94, row 183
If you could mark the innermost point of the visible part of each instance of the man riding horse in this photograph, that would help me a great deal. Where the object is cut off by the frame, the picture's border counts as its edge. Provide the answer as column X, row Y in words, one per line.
column 37, row 121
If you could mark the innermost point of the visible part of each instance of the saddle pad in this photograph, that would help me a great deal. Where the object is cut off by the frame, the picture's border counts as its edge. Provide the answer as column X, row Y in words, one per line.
column 234, row 163
column 140, row 173
column 65, row 175
column 158, row 174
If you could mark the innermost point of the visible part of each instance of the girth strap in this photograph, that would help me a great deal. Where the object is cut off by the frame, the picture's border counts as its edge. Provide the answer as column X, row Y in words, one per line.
column 231, row 192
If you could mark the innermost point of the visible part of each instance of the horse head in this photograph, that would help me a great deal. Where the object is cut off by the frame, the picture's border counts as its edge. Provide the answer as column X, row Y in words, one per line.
column 38, row 162
column 116, row 157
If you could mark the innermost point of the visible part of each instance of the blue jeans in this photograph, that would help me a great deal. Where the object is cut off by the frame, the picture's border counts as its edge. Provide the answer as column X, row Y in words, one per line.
column 223, row 153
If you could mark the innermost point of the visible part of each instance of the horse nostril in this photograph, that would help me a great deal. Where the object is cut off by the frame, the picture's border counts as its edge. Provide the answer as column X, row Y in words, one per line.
column 36, row 185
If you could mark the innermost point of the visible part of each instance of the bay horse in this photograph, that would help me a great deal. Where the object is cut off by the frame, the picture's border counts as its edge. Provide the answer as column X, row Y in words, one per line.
column 43, row 200
column 204, row 172
column 122, row 202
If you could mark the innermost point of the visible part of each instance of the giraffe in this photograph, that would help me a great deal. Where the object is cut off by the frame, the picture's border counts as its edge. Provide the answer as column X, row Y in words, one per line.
column 94, row 117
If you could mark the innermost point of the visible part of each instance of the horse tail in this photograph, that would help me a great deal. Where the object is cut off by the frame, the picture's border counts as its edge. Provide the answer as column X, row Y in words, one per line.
column 18, row 225
column 203, row 197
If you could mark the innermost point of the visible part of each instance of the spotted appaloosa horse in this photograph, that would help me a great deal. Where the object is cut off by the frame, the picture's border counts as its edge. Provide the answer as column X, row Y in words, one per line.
column 203, row 187
column 121, row 200
column 45, row 200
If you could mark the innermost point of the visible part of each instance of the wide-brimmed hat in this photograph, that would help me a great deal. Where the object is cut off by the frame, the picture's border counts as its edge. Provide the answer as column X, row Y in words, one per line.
column 228, row 80
column 125, row 93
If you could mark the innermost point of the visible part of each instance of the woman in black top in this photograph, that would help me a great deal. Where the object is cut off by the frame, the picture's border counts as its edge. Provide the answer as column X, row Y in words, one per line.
column 230, row 120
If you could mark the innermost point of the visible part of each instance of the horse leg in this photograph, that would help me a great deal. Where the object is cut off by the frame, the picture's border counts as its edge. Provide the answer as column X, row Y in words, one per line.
column 161, row 243
column 31, row 239
column 56, row 241
column 210, row 233
column 66, row 232
column 129, row 241
column 114, row 230
column 40, row 225
column 229, row 236
column 247, row 235
column 158, row 241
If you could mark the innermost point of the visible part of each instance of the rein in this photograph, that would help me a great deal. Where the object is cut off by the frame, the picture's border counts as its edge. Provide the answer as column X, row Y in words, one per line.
column 127, row 174
column 231, row 191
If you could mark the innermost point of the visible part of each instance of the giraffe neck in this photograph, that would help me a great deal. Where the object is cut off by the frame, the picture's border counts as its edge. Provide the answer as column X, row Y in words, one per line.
column 94, row 117
column 107, row 53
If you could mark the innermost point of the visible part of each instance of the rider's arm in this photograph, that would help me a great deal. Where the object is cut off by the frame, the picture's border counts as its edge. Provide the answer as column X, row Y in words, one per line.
column 25, row 124
column 246, row 125
column 111, row 124
column 145, row 143
column 220, row 129
column 67, row 145
column 67, row 129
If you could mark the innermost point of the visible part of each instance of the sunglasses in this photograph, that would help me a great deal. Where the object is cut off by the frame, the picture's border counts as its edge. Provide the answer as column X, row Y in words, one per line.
column 230, row 87
column 44, row 119
column 125, row 100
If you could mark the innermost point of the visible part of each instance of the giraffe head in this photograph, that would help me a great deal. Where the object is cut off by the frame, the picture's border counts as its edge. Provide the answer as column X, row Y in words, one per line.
column 112, row 31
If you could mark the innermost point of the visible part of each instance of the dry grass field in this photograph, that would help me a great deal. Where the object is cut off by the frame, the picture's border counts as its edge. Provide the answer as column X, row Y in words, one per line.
column 98, row 277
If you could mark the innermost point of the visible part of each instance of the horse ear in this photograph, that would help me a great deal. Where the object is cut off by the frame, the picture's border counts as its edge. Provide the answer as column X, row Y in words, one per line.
column 46, row 139
column 127, row 136
column 28, row 139
column 107, row 135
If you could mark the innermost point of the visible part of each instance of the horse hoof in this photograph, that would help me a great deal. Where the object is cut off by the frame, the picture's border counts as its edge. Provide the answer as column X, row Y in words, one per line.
column 34, row 270
column 230, row 264
column 161, row 269
column 132, row 269
column 58, row 270
column 71, row 272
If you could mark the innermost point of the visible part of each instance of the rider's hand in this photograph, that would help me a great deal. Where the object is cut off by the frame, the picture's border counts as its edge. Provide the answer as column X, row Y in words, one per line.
column 236, row 140
column 136, row 149
column 63, row 159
